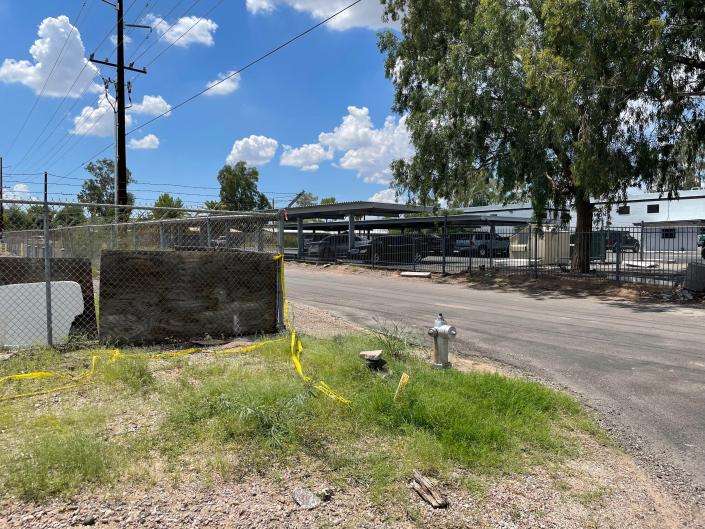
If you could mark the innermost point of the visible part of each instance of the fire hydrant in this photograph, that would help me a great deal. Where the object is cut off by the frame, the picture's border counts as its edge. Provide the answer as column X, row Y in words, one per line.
column 442, row 333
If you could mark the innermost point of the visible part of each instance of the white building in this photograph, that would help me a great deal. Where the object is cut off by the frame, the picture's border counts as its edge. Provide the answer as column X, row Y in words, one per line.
column 660, row 224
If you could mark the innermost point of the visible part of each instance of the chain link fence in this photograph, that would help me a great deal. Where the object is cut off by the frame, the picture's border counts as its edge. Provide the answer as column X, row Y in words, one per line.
column 166, row 275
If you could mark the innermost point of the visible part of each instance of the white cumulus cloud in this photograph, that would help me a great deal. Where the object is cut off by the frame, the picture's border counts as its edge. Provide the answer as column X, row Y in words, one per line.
column 185, row 31
column 151, row 106
column 98, row 120
column 222, row 87
column 386, row 195
column 365, row 14
column 255, row 150
column 260, row 6
column 150, row 141
column 361, row 147
column 54, row 35
column 126, row 39
column 18, row 192
column 306, row 157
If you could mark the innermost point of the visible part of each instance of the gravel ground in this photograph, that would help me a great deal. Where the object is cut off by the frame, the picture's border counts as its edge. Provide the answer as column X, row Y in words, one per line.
column 602, row 487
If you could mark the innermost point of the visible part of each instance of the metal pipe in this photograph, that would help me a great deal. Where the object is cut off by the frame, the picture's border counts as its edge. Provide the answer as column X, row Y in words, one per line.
column 263, row 213
column 47, row 266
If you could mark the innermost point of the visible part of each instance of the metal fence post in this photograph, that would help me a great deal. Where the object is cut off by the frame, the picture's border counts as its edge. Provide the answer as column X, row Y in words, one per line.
column 280, row 290
column 208, row 231
column 618, row 251
column 536, row 253
column 161, row 235
column 641, row 242
column 492, row 237
column 413, row 251
column 47, row 266
column 444, row 243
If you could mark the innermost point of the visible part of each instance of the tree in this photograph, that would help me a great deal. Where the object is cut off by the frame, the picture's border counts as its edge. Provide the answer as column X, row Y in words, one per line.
column 213, row 204
column 15, row 218
column 328, row 200
column 306, row 199
column 165, row 200
column 34, row 217
column 100, row 188
column 544, row 97
column 238, row 188
column 69, row 216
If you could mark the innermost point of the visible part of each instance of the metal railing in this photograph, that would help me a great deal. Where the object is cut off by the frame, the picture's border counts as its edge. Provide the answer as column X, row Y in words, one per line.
column 645, row 254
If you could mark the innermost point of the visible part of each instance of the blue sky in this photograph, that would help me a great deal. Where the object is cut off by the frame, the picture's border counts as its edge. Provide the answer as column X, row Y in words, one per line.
column 315, row 116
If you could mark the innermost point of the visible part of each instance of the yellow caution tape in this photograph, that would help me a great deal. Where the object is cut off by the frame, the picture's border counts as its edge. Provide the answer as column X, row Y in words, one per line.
column 295, row 344
column 403, row 381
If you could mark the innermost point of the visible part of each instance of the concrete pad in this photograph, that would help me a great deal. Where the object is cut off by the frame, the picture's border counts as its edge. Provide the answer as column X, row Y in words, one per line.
column 641, row 264
column 23, row 312
column 416, row 274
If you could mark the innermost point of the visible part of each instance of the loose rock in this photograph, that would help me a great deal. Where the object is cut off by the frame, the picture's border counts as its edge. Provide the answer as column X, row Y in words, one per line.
column 306, row 499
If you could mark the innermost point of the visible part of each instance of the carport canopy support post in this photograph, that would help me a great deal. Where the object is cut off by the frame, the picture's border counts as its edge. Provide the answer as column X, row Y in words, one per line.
column 351, row 232
column 300, row 237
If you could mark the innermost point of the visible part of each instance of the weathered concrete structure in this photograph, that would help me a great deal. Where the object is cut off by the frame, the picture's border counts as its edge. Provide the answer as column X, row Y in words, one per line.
column 150, row 297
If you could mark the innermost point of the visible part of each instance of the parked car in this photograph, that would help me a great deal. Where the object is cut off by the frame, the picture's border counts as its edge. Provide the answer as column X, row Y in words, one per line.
column 626, row 242
column 397, row 249
column 331, row 247
column 479, row 243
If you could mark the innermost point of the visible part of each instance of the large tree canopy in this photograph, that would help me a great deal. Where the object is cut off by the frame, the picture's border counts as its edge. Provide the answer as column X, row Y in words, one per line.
column 238, row 188
column 545, row 97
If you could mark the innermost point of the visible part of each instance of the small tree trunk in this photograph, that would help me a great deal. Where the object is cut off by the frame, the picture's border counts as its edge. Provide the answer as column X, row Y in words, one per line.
column 583, row 233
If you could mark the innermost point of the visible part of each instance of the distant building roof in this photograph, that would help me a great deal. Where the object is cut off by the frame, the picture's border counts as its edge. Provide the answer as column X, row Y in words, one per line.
column 360, row 208
column 416, row 222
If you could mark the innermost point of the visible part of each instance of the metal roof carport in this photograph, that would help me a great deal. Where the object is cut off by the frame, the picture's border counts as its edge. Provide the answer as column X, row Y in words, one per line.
column 340, row 210
column 354, row 210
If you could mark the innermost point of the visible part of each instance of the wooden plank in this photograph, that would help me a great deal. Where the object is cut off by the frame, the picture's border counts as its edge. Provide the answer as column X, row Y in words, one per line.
column 428, row 491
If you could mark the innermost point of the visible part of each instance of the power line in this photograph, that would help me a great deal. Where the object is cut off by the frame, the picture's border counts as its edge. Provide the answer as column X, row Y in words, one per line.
column 64, row 140
column 200, row 19
column 135, row 59
column 146, row 38
column 229, row 76
column 46, row 81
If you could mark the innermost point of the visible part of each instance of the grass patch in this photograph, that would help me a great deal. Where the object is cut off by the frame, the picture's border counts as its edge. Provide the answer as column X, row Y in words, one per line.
column 221, row 417
column 130, row 371
column 57, row 461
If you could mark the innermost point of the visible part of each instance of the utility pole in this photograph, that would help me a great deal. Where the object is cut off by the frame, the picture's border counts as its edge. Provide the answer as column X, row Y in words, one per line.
column 120, row 151
column 2, row 205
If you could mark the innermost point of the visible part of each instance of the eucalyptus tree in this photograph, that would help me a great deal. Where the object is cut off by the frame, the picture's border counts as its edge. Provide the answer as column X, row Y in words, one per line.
column 546, row 97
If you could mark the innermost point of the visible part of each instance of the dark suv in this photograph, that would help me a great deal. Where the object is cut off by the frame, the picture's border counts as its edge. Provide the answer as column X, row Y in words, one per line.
column 479, row 243
column 625, row 240
column 331, row 247
column 397, row 249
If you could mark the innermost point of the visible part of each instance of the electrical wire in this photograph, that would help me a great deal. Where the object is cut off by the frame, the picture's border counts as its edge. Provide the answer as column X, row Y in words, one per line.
column 229, row 76
column 64, row 140
column 146, row 38
column 46, row 81
column 200, row 19
column 138, row 57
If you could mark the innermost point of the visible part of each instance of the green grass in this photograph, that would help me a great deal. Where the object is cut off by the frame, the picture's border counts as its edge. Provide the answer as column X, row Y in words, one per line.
column 132, row 372
column 230, row 415
column 57, row 462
